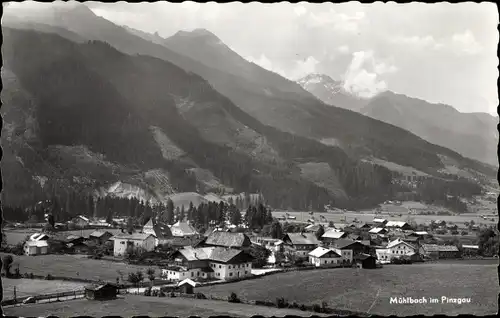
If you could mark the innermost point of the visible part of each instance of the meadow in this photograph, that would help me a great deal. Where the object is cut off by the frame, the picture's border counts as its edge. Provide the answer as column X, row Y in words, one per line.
column 75, row 266
column 132, row 305
column 31, row 287
column 370, row 290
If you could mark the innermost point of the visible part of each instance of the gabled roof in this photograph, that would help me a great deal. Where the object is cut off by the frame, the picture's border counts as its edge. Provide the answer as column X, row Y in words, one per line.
column 439, row 248
column 98, row 287
column 333, row 234
column 396, row 224
column 99, row 233
column 39, row 237
column 376, row 230
column 421, row 233
column 133, row 236
column 302, row 238
column 346, row 243
column 83, row 218
column 321, row 251
column 185, row 228
column 149, row 224
column 377, row 220
column 398, row 241
column 162, row 230
column 362, row 257
column 217, row 254
column 228, row 239
column 475, row 247
column 187, row 281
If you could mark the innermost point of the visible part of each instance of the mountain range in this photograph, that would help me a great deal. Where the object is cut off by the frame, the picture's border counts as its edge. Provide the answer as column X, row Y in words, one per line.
column 91, row 104
column 473, row 135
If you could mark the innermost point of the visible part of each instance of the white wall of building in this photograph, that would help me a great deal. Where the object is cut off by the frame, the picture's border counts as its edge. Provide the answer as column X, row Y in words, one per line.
column 345, row 254
column 318, row 261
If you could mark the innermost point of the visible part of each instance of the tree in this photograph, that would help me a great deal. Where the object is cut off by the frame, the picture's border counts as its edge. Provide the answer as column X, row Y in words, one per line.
column 151, row 274
column 320, row 232
column 109, row 217
column 260, row 255
column 169, row 213
column 276, row 230
column 177, row 213
column 234, row 215
column 7, row 264
column 133, row 279
column 182, row 213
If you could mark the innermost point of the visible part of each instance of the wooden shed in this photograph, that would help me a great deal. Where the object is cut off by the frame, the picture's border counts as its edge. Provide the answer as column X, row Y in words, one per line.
column 186, row 286
column 101, row 292
column 365, row 261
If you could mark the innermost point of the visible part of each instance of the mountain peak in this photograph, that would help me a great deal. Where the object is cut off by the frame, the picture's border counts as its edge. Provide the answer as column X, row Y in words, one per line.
column 201, row 33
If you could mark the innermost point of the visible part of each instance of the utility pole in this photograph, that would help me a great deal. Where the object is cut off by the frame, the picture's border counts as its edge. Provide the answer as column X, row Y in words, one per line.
column 15, row 294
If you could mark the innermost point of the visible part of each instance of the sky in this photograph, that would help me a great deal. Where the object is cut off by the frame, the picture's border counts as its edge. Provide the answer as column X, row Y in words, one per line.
column 443, row 53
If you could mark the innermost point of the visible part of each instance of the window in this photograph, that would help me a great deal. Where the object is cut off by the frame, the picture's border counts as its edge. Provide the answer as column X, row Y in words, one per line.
column 246, row 272
column 230, row 274
column 192, row 274
column 229, row 266
column 219, row 266
column 198, row 274
column 218, row 274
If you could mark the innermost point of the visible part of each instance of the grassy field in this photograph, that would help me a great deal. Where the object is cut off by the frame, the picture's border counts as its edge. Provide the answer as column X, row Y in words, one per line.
column 371, row 290
column 75, row 266
column 349, row 217
column 30, row 287
column 132, row 305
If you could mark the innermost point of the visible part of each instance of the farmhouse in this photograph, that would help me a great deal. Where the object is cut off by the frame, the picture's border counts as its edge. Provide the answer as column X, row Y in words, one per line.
column 331, row 236
column 321, row 256
column 160, row 230
column 269, row 243
column 183, row 229
column 347, row 249
column 100, row 237
column 39, row 237
column 399, row 225
column 365, row 261
column 81, row 221
column 399, row 247
column 209, row 262
column 32, row 248
column 186, row 286
column 135, row 240
column 440, row 251
column 300, row 244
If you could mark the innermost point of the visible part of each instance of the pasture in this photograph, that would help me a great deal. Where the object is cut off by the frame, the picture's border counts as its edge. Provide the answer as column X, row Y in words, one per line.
column 31, row 287
column 348, row 217
column 75, row 266
column 371, row 290
column 132, row 305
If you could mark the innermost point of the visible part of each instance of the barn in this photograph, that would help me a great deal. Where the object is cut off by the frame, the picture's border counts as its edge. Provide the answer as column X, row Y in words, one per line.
column 101, row 292
column 365, row 261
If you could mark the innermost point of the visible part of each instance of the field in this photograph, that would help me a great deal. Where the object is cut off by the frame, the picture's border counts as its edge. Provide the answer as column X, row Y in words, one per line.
column 131, row 305
column 74, row 266
column 349, row 217
column 371, row 290
column 30, row 287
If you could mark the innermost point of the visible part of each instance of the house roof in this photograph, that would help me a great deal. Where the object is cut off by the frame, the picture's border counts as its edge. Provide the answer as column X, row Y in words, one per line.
column 133, row 236
column 218, row 254
column 321, row 251
column 398, row 241
column 302, row 238
column 184, row 227
column 379, row 220
column 396, row 224
column 162, row 230
column 38, row 237
column 439, row 248
column 471, row 246
column 83, row 218
column 345, row 243
column 362, row 257
column 187, row 281
column 149, row 223
column 98, row 287
column 228, row 239
column 376, row 230
column 421, row 233
column 99, row 233
column 37, row 243
column 333, row 234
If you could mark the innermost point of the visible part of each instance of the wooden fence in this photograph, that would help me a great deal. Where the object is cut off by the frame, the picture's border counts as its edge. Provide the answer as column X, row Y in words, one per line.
column 46, row 297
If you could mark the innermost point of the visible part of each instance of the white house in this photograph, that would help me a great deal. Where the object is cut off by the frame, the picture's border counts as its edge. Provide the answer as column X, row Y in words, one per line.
column 136, row 240
column 398, row 248
column 333, row 235
column 209, row 262
column 39, row 237
column 36, row 248
column 321, row 256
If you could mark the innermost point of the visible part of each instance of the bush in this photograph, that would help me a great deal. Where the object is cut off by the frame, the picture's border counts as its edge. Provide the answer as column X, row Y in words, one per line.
column 147, row 291
column 32, row 276
column 200, row 296
column 49, row 277
column 293, row 305
column 281, row 302
column 302, row 307
column 233, row 298
column 155, row 293
column 172, row 294
column 161, row 294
